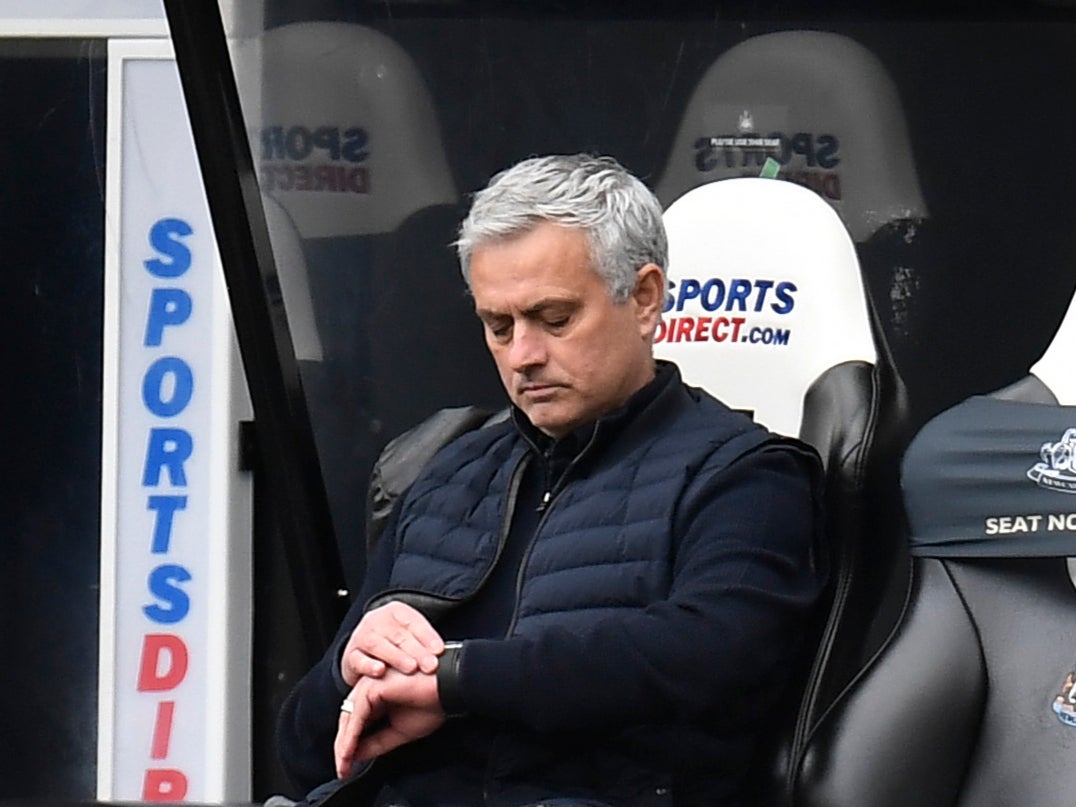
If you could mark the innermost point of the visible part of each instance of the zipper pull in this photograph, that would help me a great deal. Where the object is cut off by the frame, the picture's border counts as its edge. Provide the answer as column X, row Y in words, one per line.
column 545, row 501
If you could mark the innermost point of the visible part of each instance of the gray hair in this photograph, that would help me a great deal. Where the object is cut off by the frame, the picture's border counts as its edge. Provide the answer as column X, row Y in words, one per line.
column 619, row 214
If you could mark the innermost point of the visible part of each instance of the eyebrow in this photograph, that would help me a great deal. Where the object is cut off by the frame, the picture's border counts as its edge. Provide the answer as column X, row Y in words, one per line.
column 532, row 311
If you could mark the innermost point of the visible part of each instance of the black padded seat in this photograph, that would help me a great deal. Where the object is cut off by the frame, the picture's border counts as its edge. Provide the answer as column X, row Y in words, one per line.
column 957, row 709
column 971, row 701
column 832, row 382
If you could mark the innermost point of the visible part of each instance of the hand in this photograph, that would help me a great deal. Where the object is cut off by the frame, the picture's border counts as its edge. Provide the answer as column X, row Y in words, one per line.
column 393, row 636
column 409, row 706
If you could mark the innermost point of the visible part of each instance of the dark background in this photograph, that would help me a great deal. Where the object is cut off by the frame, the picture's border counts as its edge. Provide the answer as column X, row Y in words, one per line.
column 51, row 273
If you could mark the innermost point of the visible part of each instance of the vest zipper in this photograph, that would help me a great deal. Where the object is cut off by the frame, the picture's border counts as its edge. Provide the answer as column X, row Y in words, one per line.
column 548, row 500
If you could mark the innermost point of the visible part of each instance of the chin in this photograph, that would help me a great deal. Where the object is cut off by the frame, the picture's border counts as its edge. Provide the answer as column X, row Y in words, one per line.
column 554, row 427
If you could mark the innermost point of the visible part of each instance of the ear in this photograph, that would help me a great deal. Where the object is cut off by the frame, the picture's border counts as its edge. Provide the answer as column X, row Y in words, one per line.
column 649, row 297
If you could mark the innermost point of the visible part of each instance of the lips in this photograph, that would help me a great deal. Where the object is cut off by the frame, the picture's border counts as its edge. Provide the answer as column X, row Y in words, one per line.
column 538, row 390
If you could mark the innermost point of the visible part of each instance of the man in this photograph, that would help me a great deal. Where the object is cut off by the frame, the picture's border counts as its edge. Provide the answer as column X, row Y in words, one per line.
column 596, row 601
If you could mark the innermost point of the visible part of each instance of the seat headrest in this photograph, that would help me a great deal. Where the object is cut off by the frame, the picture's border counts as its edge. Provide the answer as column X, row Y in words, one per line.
column 823, row 106
column 993, row 477
column 1056, row 368
column 344, row 131
column 766, row 294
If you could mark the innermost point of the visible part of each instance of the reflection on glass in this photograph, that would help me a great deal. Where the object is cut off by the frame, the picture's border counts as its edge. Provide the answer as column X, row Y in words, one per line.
column 361, row 207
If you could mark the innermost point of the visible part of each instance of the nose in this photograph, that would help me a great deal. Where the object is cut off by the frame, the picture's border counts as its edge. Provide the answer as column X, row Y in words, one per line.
column 527, row 349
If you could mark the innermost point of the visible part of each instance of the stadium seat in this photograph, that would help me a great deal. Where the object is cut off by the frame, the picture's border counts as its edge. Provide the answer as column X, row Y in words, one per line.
column 293, row 280
column 826, row 110
column 765, row 295
column 767, row 311
column 972, row 698
column 822, row 106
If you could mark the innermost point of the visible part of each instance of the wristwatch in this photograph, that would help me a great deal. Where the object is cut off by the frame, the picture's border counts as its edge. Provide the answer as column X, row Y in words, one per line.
column 448, row 680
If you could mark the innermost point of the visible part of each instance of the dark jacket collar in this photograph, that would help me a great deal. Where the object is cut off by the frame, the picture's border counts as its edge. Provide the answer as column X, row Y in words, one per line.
column 606, row 427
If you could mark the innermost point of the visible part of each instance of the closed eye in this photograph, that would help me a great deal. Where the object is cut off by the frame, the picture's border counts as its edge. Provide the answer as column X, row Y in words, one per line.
column 554, row 316
column 499, row 329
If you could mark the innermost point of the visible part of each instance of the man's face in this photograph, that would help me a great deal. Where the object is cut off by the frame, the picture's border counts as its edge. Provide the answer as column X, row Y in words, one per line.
column 566, row 352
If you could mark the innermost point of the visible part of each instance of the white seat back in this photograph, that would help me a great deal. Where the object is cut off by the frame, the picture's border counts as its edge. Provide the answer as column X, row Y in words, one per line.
column 766, row 295
column 346, row 137
column 1056, row 368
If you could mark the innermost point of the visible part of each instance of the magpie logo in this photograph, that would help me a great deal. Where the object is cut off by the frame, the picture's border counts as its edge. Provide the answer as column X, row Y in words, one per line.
column 1065, row 703
column 1057, row 468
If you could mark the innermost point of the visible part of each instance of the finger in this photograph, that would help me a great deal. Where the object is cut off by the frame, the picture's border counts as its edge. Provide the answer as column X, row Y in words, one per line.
column 361, row 664
column 405, row 640
column 355, row 664
column 409, row 631
column 395, row 648
column 397, row 635
column 418, row 626
column 349, row 728
column 343, row 746
column 371, row 654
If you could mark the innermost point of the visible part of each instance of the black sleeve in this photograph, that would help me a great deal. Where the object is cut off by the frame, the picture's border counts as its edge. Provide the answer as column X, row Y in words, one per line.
column 748, row 572
column 306, row 726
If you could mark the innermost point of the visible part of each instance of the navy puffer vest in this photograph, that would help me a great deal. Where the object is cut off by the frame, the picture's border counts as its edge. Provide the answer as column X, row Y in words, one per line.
column 605, row 542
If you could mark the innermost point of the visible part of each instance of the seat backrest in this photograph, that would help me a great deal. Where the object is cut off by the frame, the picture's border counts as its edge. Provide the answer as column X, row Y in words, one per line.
column 345, row 132
column 972, row 699
column 293, row 281
column 768, row 312
column 765, row 295
column 827, row 111
column 820, row 104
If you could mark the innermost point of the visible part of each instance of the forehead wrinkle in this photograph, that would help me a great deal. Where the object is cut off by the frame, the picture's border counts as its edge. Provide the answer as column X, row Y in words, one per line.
column 534, row 309
column 550, row 302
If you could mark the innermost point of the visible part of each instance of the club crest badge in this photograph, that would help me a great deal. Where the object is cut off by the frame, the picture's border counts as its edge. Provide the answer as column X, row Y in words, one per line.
column 1057, row 468
column 1065, row 703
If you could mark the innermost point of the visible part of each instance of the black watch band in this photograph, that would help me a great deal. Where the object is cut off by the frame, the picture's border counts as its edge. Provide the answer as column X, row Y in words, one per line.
column 448, row 680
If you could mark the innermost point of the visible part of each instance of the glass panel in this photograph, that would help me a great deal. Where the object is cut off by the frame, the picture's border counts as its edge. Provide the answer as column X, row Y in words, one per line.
column 370, row 125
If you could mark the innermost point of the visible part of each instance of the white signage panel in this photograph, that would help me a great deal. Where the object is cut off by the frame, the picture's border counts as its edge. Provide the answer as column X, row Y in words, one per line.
column 175, row 588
